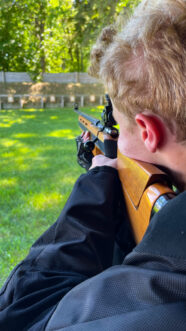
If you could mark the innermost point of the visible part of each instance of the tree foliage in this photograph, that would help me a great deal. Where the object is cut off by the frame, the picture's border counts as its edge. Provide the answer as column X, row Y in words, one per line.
column 53, row 35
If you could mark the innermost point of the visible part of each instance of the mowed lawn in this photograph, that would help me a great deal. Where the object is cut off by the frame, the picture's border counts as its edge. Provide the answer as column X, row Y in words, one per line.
column 38, row 169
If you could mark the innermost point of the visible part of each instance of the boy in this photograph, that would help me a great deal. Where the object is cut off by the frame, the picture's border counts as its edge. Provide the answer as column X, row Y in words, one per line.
column 67, row 282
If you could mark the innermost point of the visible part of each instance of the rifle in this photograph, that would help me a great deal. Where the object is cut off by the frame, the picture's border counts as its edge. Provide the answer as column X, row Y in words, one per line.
column 146, row 188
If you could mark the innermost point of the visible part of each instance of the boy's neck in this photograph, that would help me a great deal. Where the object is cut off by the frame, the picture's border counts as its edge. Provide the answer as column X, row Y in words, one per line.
column 175, row 161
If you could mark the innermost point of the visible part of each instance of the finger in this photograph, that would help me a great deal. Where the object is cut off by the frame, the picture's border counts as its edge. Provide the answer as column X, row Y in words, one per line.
column 86, row 136
column 108, row 137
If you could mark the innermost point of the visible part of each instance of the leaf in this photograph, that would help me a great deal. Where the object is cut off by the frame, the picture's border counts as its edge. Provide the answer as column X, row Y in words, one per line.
column 54, row 3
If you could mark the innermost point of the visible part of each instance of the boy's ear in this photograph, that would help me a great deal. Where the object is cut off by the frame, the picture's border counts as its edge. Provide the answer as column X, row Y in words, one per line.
column 150, row 130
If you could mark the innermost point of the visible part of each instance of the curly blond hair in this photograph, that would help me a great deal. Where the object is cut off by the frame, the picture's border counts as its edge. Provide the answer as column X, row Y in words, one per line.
column 144, row 65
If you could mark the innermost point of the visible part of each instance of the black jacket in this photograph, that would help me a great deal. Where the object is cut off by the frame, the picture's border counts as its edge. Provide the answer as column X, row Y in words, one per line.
column 67, row 282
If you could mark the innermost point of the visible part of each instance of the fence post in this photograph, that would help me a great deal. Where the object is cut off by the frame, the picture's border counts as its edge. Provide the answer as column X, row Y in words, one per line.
column 62, row 101
column 21, row 102
column 101, row 100
column 42, row 102
column 82, row 100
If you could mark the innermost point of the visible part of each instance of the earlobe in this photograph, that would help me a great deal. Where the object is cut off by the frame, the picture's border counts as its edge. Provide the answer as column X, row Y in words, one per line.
column 150, row 130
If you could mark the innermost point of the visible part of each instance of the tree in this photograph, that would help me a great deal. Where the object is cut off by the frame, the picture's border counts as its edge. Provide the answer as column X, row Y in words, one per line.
column 53, row 35
column 27, row 30
column 89, row 19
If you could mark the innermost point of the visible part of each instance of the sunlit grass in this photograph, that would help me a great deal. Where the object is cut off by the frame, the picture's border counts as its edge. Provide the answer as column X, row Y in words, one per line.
column 38, row 169
column 67, row 134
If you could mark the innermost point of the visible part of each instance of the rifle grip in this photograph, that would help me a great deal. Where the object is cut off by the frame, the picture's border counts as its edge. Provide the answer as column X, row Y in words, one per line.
column 110, row 148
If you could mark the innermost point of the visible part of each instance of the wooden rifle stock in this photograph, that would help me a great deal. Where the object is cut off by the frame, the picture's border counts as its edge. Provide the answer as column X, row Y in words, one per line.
column 143, row 185
column 146, row 188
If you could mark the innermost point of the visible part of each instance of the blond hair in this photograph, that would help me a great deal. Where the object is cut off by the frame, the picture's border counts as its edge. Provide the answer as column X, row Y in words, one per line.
column 144, row 65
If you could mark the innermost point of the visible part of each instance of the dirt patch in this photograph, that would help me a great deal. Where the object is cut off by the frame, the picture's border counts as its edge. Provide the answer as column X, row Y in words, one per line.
column 52, row 88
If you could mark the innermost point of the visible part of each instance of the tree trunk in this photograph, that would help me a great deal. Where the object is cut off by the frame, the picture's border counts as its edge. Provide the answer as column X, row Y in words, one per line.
column 40, row 28
column 77, row 58
column 82, row 63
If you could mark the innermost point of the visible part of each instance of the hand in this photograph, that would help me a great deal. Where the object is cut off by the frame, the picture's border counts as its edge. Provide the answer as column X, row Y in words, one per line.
column 101, row 160
column 84, row 150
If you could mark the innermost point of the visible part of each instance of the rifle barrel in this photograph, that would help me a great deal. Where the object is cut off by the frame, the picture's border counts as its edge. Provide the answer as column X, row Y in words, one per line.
column 93, row 120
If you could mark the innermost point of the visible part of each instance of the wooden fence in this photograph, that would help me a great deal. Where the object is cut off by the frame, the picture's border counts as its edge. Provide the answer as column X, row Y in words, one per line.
column 65, row 78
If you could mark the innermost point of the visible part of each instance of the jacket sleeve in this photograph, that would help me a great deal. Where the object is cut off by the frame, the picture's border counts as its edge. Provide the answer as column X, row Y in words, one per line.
column 78, row 246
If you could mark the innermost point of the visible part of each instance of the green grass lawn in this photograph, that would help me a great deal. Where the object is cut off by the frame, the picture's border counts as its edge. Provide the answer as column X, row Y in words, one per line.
column 38, row 169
